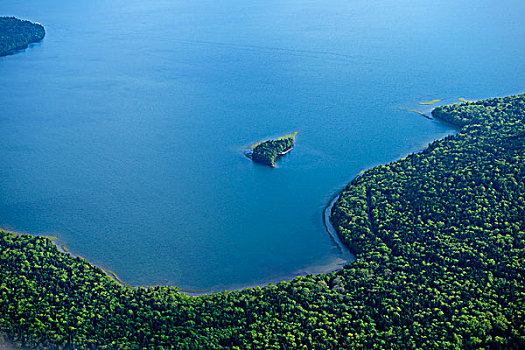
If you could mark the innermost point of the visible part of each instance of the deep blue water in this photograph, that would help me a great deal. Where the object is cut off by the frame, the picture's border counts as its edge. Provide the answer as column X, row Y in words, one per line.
column 123, row 131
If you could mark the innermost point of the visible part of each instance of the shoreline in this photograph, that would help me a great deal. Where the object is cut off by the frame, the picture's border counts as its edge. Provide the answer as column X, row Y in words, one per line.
column 346, row 256
column 32, row 37
column 310, row 270
column 62, row 248
column 336, row 265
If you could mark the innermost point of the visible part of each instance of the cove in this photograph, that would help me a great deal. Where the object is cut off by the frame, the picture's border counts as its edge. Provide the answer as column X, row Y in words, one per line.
column 123, row 130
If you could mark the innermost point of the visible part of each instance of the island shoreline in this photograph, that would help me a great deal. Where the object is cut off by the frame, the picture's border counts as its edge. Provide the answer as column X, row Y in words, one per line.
column 34, row 34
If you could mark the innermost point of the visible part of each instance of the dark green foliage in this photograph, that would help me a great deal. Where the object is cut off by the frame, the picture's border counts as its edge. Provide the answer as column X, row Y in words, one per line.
column 439, row 240
column 16, row 34
column 449, row 224
column 267, row 152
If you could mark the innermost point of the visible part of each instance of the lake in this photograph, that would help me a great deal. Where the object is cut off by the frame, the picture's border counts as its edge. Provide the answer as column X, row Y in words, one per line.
column 123, row 131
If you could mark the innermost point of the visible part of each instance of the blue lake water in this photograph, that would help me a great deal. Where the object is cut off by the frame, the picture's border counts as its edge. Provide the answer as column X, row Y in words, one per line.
column 123, row 131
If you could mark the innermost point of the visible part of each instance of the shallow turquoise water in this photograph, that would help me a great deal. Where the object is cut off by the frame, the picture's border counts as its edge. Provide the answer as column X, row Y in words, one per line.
column 123, row 131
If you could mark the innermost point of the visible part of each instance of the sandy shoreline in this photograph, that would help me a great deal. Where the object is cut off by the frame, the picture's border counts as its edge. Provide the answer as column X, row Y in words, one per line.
column 337, row 264
column 345, row 258
column 327, row 213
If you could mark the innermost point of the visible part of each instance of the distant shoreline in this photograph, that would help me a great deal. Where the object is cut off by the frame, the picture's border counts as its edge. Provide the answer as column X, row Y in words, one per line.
column 18, row 34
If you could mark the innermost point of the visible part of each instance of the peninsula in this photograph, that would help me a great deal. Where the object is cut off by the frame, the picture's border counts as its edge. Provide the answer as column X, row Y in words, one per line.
column 17, row 34
column 267, row 152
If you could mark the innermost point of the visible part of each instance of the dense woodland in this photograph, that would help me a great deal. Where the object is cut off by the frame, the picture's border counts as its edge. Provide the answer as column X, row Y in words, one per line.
column 439, row 238
column 267, row 152
column 16, row 34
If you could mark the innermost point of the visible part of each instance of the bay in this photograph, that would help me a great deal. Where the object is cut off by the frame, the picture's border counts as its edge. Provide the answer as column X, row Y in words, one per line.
column 123, row 131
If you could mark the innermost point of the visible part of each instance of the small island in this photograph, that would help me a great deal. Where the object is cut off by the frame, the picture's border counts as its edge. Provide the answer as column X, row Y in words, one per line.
column 267, row 152
column 17, row 34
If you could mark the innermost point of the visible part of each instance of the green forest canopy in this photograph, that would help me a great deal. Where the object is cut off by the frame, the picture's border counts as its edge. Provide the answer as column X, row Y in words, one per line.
column 16, row 34
column 439, row 240
column 267, row 152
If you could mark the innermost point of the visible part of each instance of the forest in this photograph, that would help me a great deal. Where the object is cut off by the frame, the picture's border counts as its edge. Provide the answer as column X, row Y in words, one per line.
column 439, row 238
column 268, row 151
column 16, row 34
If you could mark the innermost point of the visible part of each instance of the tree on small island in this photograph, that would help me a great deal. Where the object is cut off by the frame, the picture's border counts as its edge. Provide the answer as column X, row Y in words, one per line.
column 17, row 34
column 268, row 151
